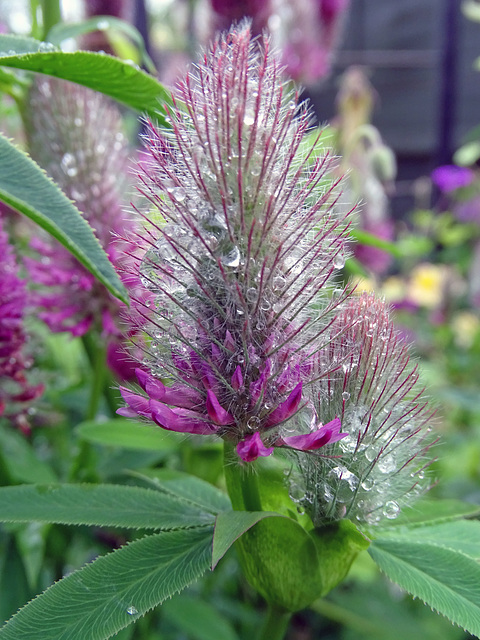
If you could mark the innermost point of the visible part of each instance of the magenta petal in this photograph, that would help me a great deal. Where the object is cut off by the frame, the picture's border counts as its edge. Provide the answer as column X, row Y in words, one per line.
column 252, row 447
column 324, row 435
column 181, row 420
column 137, row 405
column 216, row 412
column 178, row 395
column 286, row 409
column 237, row 378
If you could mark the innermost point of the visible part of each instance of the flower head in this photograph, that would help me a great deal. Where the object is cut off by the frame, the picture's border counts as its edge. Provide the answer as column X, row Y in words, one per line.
column 243, row 240
column 380, row 465
column 76, row 135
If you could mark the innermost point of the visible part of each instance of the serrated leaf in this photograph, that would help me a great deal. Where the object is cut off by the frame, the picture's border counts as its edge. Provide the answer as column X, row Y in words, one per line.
column 127, row 434
column 446, row 580
column 110, row 593
column 459, row 535
column 186, row 487
column 62, row 31
column 429, row 510
column 230, row 526
column 26, row 188
column 99, row 505
column 198, row 620
column 116, row 78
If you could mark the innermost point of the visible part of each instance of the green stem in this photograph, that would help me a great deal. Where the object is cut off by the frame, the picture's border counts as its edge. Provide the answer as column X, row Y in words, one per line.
column 51, row 15
column 276, row 624
column 96, row 354
column 242, row 481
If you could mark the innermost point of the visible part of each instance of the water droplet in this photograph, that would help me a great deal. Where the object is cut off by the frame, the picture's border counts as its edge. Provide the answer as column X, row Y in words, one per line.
column 249, row 118
column 387, row 464
column 296, row 492
column 339, row 261
column 132, row 611
column 251, row 294
column 371, row 454
column 69, row 165
column 278, row 282
column 346, row 395
column 253, row 422
column 367, row 484
column 180, row 194
column 232, row 258
column 45, row 47
column 102, row 25
column 391, row 510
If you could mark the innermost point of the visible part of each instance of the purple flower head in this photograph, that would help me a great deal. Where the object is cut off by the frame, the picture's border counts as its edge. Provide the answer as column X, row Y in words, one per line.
column 313, row 28
column 244, row 237
column 449, row 177
column 76, row 136
column 14, row 386
column 380, row 465
column 227, row 12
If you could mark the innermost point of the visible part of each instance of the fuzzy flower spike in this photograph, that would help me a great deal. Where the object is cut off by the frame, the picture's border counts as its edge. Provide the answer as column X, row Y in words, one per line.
column 243, row 238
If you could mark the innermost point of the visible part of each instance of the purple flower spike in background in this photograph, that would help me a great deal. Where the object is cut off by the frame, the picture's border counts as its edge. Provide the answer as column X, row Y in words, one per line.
column 244, row 235
column 14, row 386
column 449, row 177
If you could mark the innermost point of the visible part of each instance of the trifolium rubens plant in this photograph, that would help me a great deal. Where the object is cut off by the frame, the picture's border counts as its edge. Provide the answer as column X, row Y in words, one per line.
column 250, row 337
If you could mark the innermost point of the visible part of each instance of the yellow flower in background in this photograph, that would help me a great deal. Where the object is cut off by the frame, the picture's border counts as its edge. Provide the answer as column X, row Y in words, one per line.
column 465, row 327
column 427, row 284
column 394, row 289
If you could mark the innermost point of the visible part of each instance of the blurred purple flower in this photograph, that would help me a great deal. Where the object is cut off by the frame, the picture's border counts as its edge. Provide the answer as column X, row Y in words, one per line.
column 241, row 255
column 14, row 386
column 449, row 177
column 227, row 12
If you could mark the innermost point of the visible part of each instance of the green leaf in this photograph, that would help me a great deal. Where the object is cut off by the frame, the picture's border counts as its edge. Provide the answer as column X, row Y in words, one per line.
column 429, row 510
column 98, row 71
column 371, row 240
column 198, row 620
column 100, row 505
column 62, row 31
column 458, row 535
column 445, row 579
column 186, row 487
column 229, row 526
column 115, row 590
column 20, row 461
column 11, row 45
column 128, row 434
column 26, row 188
column 468, row 153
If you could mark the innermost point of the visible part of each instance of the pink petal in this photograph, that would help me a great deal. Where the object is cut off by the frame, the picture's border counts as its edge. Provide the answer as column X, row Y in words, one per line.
column 178, row 395
column 181, row 420
column 286, row 409
column 252, row 447
column 324, row 435
column 216, row 412
column 137, row 405
column 237, row 378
